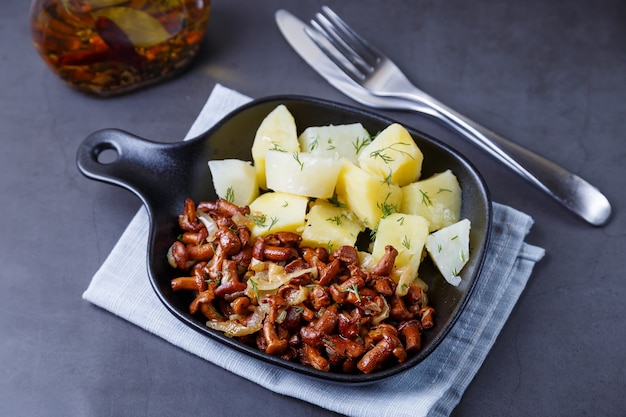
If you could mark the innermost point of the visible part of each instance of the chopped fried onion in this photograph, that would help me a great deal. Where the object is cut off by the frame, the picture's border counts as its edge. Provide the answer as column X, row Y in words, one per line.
column 296, row 297
column 268, row 279
column 276, row 276
column 380, row 317
column 241, row 219
column 257, row 266
column 209, row 223
column 234, row 328
column 170, row 257
column 403, row 277
column 366, row 260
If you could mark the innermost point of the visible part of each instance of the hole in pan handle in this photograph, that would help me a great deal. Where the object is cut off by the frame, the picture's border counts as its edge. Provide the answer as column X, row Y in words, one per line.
column 121, row 158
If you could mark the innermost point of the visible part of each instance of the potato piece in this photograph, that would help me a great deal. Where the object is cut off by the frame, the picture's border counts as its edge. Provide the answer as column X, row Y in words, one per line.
column 301, row 173
column 366, row 195
column 344, row 140
column 330, row 226
column 437, row 198
column 407, row 233
column 278, row 212
column 276, row 131
column 393, row 155
column 449, row 249
column 234, row 180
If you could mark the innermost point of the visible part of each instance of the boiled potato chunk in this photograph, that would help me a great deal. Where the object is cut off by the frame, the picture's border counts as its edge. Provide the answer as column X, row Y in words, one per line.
column 437, row 198
column 393, row 155
column 277, row 212
column 276, row 131
column 449, row 249
column 301, row 173
column 407, row 233
column 234, row 180
column 330, row 226
column 369, row 197
column 346, row 140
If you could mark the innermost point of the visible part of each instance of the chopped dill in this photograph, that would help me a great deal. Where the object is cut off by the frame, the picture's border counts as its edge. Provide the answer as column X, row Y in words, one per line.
column 230, row 195
column 273, row 222
column 360, row 143
column 354, row 289
column 277, row 147
column 296, row 156
column 387, row 208
column 380, row 153
column 258, row 219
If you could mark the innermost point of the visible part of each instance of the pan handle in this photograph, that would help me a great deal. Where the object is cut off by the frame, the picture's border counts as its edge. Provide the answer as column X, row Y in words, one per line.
column 135, row 163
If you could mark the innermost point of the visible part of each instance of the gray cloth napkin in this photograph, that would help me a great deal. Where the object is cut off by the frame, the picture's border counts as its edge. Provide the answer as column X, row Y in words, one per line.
column 432, row 388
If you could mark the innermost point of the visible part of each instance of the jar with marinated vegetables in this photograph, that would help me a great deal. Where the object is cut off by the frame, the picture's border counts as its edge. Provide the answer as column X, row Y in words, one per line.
column 109, row 47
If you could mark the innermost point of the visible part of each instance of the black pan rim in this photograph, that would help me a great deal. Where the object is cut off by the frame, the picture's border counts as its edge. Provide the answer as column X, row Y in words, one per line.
column 334, row 377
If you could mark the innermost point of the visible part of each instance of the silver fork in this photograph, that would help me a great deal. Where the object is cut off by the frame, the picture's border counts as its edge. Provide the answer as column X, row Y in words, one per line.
column 388, row 87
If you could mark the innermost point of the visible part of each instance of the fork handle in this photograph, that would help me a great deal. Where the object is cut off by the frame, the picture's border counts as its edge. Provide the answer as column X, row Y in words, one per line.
column 567, row 188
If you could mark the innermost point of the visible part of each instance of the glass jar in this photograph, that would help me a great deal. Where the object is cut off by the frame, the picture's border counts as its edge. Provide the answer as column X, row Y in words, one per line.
column 109, row 47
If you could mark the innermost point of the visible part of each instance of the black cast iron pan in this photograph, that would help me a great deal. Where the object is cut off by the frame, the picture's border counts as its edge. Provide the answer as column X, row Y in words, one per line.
column 163, row 175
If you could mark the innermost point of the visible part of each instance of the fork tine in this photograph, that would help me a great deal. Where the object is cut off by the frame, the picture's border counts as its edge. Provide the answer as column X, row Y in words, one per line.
column 355, row 56
column 336, row 36
column 321, row 39
column 367, row 52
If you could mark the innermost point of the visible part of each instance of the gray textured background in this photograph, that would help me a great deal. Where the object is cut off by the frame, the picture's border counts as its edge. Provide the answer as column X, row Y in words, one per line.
column 550, row 75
